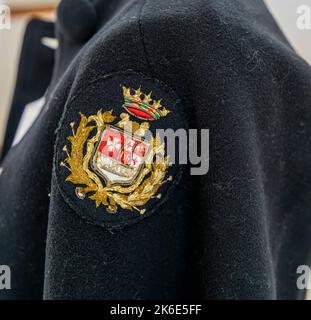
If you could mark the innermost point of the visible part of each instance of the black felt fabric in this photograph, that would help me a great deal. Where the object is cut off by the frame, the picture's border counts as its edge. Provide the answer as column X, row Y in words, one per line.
column 238, row 232
column 34, row 74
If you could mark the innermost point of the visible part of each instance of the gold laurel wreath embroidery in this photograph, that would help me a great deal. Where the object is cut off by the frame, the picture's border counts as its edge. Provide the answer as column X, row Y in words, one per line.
column 132, row 197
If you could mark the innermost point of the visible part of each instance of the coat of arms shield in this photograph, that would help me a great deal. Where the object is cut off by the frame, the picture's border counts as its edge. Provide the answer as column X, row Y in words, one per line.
column 120, row 156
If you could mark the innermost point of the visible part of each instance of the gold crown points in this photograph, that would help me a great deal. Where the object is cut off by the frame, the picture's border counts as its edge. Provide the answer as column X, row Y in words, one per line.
column 141, row 98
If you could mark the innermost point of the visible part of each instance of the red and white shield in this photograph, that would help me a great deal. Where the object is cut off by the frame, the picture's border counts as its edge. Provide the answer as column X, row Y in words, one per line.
column 120, row 156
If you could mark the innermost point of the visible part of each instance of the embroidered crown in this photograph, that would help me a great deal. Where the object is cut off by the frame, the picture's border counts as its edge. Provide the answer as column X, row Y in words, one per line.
column 142, row 105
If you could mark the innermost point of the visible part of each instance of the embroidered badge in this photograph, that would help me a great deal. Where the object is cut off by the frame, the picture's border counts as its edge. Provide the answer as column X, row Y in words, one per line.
column 113, row 161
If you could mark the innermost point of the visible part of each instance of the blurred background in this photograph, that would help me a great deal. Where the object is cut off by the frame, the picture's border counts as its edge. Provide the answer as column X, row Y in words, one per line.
column 10, row 45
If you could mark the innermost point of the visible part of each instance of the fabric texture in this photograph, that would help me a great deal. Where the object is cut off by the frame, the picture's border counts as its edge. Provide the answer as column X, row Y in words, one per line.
column 238, row 232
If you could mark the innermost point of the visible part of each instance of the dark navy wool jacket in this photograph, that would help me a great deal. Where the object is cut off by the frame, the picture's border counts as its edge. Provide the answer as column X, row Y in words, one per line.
column 238, row 232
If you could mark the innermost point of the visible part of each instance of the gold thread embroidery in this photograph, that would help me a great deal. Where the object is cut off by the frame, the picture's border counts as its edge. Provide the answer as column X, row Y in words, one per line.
column 132, row 197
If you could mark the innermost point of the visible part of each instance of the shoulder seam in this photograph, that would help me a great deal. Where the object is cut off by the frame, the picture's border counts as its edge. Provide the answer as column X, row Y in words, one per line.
column 140, row 27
